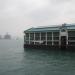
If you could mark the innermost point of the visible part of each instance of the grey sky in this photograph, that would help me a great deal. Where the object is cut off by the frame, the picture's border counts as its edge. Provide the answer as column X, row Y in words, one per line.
column 18, row 15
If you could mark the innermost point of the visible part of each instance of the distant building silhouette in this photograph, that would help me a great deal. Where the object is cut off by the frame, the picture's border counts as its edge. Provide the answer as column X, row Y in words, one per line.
column 0, row 37
column 7, row 36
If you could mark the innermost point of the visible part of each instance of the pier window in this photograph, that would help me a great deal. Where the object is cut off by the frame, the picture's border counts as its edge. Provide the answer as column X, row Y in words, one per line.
column 37, row 36
column 49, row 35
column 49, row 38
column 71, row 33
column 27, row 36
column 71, row 38
column 31, row 36
column 26, row 42
column 55, row 34
column 43, row 36
column 55, row 38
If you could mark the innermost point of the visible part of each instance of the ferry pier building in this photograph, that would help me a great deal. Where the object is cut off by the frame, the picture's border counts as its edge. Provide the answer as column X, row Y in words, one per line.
column 62, row 36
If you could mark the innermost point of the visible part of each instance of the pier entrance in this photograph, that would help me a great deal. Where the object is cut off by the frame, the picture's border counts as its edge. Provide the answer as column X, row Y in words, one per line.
column 63, row 42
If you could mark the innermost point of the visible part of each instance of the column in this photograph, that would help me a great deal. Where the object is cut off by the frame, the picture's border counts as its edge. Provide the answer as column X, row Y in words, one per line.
column 59, row 38
column 24, row 39
column 52, row 39
column 34, row 38
column 67, row 37
column 46, row 38
column 29, row 38
column 40, row 36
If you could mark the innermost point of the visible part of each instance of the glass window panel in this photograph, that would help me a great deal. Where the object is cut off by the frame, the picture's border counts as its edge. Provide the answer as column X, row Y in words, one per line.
column 71, row 38
column 71, row 33
column 26, row 42
column 27, row 34
column 49, row 34
column 37, row 38
column 27, row 38
column 43, row 34
column 56, row 38
column 43, row 38
column 31, row 36
column 37, row 34
column 55, row 33
column 49, row 38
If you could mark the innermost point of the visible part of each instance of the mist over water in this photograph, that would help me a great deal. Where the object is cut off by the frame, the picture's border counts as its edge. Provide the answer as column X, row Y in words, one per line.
column 15, row 60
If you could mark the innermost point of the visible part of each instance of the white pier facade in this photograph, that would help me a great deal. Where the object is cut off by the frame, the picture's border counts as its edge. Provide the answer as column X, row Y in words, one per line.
column 51, row 36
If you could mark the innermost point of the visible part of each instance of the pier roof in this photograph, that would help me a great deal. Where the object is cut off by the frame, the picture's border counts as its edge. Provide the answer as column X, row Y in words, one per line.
column 51, row 28
column 45, row 29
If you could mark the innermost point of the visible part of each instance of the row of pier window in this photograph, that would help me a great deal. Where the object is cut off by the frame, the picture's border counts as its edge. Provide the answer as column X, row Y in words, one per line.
column 42, row 36
column 71, row 38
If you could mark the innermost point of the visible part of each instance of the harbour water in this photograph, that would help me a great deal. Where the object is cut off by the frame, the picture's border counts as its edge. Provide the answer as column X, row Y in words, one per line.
column 14, row 60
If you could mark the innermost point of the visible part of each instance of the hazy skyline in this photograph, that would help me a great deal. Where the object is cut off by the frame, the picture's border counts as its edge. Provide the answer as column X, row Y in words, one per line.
column 19, row 15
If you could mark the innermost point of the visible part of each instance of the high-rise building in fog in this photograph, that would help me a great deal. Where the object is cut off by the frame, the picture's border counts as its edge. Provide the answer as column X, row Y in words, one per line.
column 0, row 37
column 7, row 36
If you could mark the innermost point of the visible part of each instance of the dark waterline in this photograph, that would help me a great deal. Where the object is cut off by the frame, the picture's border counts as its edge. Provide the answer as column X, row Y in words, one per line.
column 14, row 60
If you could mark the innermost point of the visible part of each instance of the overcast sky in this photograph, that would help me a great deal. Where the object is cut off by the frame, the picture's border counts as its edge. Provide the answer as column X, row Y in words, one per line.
column 19, row 15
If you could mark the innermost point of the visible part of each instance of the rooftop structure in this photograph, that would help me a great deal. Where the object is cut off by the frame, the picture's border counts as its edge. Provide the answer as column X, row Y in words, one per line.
column 61, row 36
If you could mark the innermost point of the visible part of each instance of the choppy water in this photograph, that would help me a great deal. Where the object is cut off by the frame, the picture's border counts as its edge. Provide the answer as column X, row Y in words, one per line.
column 14, row 60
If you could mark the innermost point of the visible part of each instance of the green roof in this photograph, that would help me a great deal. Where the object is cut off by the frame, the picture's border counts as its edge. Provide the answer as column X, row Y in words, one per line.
column 49, row 29
column 42, row 29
